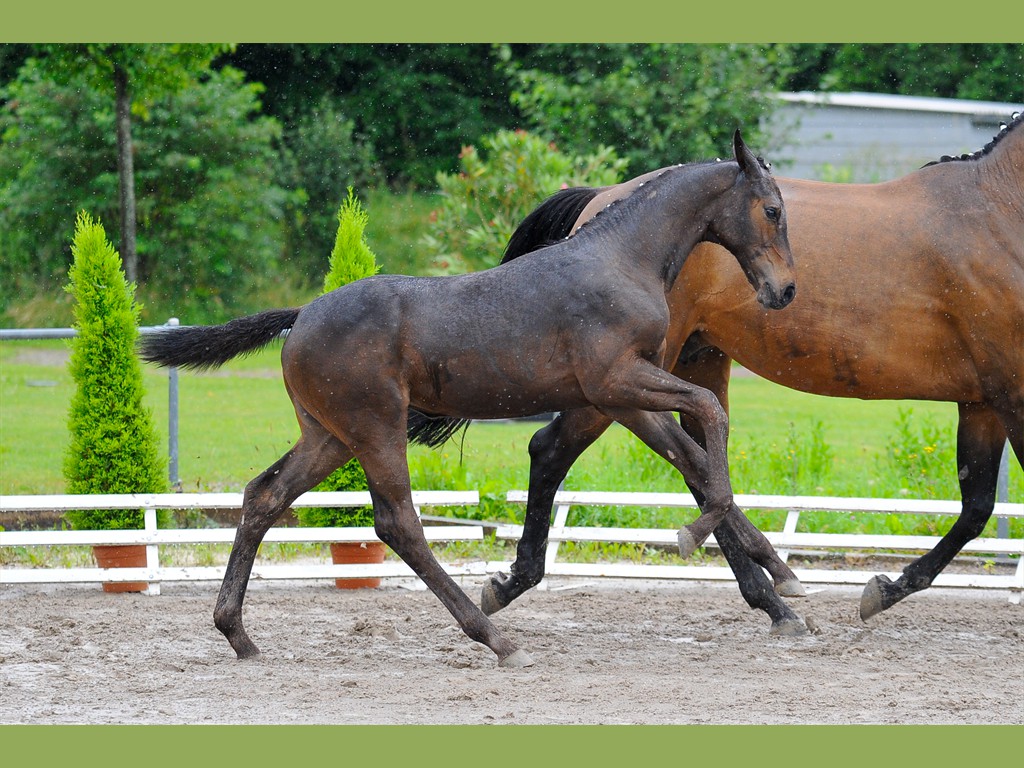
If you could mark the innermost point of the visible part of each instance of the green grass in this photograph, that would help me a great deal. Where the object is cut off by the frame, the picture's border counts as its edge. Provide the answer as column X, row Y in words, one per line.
column 236, row 422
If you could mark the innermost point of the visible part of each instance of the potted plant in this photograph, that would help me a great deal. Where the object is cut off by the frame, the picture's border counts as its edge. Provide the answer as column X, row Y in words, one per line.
column 351, row 259
column 113, row 446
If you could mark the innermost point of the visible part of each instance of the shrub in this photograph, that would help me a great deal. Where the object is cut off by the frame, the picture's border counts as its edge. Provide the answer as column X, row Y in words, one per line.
column 351, row 260
column 113, row 446
column 486, row 200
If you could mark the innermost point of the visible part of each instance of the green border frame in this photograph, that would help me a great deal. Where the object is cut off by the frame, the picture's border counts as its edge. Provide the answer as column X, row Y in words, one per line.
column 527, row 21
column 522, row 21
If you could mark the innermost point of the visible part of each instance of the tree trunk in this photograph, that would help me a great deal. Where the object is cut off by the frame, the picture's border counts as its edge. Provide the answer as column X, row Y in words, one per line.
column 126, row 174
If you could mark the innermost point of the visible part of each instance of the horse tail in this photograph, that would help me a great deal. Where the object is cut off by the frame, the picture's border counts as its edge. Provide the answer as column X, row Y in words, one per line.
column 433, row 431
column 201, row 347
column 550, row 221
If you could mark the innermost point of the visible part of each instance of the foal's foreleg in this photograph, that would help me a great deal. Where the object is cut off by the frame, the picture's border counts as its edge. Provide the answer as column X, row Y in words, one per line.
column 553, row 450
column 642, row 397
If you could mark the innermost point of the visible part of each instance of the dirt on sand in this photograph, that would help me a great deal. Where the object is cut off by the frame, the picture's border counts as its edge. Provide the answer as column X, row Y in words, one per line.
column 605, row 652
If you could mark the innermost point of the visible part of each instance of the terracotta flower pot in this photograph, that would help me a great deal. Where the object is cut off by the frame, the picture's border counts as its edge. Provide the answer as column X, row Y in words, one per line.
column 121, row 556
column 354, row 552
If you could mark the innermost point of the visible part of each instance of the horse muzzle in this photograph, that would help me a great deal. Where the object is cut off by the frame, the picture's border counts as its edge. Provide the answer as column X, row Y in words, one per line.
column 776, row 297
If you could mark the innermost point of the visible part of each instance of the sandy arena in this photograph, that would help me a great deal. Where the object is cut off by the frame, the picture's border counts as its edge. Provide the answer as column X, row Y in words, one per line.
column 633, row 652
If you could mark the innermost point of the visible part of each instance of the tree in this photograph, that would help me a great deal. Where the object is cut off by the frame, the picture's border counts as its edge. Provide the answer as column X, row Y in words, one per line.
column 497, row 187
column 657, row 104
column 209, row 200
column 113, row 446
column 134, row 74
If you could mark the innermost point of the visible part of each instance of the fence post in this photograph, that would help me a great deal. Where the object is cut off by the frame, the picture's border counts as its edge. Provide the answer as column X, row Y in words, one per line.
column 172, row 422
column 1002, row 495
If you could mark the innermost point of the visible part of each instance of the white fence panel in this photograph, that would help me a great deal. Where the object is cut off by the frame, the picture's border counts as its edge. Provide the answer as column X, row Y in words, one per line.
column 786, row 540
column 153, row 536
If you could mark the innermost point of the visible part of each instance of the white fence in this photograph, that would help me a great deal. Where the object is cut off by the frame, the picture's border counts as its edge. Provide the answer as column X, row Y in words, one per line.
column 153, row 537
column 786, row 541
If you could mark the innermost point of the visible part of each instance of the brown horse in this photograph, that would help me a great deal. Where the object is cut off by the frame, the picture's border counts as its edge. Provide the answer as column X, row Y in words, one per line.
column 581, row 325
column 910, row 289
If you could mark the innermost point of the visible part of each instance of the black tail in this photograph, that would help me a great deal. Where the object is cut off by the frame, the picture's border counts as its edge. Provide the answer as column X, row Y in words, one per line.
column 210, row 346
column 550, row 221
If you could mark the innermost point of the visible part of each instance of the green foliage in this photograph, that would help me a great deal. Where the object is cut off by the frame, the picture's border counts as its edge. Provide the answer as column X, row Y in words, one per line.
column 209, row 207
column 413, row 102
column 113, row 447
column 657, row 104
column 351, row 260
column 323, row 157
column 348, row 477
column 986, row 71
column 918, row 457
column 485, row 202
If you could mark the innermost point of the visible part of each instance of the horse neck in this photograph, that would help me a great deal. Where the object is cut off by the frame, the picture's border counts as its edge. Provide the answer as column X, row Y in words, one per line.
column 1002, row 170
column 673, row 215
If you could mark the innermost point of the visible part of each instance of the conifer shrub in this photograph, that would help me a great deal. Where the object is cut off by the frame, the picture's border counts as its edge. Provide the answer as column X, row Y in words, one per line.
column 351, row 260
column 113, row 447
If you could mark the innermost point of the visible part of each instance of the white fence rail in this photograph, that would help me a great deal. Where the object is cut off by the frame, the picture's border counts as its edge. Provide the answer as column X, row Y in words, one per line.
column 786, row 540
column 153, row 537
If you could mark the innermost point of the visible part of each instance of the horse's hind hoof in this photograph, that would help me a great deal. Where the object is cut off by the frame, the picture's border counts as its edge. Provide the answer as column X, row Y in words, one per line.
column 516, row 660
column 788, row 628
column 872, row 599
column 791, row 588
column 490, row 599
column 687, row 544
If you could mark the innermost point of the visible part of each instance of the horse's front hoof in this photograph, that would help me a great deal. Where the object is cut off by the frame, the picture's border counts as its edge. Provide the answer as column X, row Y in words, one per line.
column 687, row 544
column 873, row 599
column 788, row 628
column 791, row 588
column 490, row 597
column 516, row 660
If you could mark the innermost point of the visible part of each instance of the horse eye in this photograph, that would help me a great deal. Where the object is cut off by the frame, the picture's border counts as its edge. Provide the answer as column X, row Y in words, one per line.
column 772, row 213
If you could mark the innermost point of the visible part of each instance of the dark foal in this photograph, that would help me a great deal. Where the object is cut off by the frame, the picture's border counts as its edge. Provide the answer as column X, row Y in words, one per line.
column 581, row 324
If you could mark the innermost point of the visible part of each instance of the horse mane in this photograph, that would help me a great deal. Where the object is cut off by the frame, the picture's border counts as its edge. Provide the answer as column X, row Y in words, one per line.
column 622, row 206
column 1015, row 120
column 549, row 222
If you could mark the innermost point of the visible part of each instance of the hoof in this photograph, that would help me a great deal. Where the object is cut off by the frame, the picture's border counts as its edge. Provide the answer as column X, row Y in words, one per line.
column 516, row 660
column 490, row 600
column 788, row 628
column 791, row 588
column 687, row 544
column 872, row 600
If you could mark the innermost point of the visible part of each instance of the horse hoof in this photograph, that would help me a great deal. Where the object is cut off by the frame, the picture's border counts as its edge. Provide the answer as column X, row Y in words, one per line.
column 791, row 588
column 788, row 628
column 687, row 544
column 516, row 660
column 490, row 601
column 872, row 600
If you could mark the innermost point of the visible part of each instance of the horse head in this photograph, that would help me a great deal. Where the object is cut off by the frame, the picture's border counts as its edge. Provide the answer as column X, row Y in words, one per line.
column 754, row 230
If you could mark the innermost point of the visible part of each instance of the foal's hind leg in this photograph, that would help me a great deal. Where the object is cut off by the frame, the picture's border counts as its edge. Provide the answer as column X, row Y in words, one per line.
column 980, row 440
column 553, row 450
column 396, row 524
column 314, row 457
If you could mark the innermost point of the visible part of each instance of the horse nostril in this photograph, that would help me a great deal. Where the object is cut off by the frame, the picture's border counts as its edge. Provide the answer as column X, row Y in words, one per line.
column 788, row 294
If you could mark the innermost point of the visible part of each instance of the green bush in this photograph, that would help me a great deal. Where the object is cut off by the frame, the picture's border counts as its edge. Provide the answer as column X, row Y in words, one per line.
column 484, row 203
column 113, row 446
column 351, row 260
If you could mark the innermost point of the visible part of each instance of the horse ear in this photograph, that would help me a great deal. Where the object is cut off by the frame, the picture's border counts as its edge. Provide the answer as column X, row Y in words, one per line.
column 748, row 163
